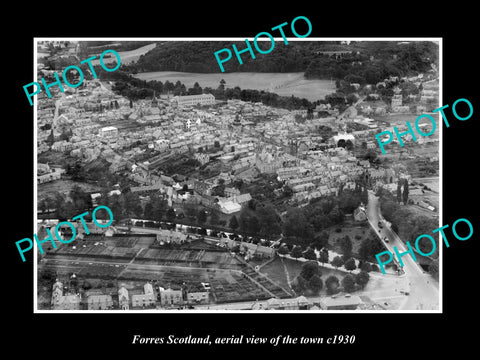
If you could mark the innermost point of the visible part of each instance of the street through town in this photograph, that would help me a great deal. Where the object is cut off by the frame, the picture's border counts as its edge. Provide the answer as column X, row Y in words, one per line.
column 423, row 289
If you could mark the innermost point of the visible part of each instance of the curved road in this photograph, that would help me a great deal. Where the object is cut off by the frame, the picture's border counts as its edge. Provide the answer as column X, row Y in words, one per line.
column 424, row 293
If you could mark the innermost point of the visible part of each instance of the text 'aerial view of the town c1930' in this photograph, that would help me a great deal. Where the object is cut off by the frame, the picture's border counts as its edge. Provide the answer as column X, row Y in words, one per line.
column 261, row 188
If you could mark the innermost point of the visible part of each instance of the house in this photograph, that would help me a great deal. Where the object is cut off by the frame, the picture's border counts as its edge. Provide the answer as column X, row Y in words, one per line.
column 143, row 300
column 52, row 176
column 123, row 299
column 229, row 207
column 99, row 302
column 197, row 297
column 171, row 297
column 170, row 236
column 359, row 213
column 231, row 191
column 109, row 132
column 148, row 288
column 66, row 302
column 242, row 199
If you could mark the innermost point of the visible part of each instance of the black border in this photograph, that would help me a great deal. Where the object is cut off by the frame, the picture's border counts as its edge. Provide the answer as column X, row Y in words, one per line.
column 376, row 334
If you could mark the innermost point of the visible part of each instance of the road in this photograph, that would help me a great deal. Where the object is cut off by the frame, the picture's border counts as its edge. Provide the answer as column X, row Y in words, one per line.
column 424, row 293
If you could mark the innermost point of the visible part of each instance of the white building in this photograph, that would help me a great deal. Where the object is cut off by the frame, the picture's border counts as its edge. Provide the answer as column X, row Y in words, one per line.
column 192, row 100
column 109, row 132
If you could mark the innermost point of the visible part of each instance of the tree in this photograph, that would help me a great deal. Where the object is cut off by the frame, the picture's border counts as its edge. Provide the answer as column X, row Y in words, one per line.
column 86, row 285
column 233, row 223
column 346, row 246
column 148, row 211
column 348, row 283
column 309, row 269
column 332, row 283
column 283, row 250
column 370, row 155
column 222, row 84
column 171, row 214
column 337, row 261
column 50, row 139
column 405, row 192
column 366, row 267
column 214, row 218
column 253, row 224
column 323, row 256
column 321, row 240
column 218, row 190
column 201, row 217
column 315, row 284
column 296, row 252
column 369, row 248
column 349, row 145
column 299, row 284
column 310, row 254
column 362, row 278
column 399, row 191
column 350, row 264
column 269, row 221
column 336, row 215
column 296, row 224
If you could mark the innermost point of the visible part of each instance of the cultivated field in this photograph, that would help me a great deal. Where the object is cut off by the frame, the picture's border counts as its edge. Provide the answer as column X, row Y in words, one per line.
column 285, row 84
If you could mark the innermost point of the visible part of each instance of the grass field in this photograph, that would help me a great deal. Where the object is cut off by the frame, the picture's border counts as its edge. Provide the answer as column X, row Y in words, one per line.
column 127, row 57
column 285, row 84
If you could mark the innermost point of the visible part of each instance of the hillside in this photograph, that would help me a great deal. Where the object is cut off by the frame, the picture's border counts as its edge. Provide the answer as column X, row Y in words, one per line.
column 369, row 62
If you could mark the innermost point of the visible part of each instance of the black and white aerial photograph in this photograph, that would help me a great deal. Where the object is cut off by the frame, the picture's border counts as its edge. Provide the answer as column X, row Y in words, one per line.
column 260, row 188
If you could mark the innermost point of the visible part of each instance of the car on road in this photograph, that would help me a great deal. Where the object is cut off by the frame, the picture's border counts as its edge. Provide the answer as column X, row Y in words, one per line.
column 386, row 239
column 380, row 225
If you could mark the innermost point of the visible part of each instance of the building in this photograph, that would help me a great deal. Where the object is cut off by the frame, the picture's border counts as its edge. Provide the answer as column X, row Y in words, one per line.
column 148, row 289
column 66, row 302
column 168, row 236
column 397, row 101
column 56, row 174
column 229, row 207
column 123, row 299
column 63, row 302
column 99, row 302
column 192, row 100
column 299, row 303
column 197, row 297
column 338, row 302
column 143, row 300
column 109, row 132
column 171, row 297
column 359, row 213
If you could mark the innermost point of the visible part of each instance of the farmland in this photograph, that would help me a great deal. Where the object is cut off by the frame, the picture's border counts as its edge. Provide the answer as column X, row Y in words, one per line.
column 284, row 84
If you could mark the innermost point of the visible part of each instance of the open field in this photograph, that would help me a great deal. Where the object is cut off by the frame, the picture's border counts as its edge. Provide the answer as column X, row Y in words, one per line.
column 285, row 84
column 127, row 57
